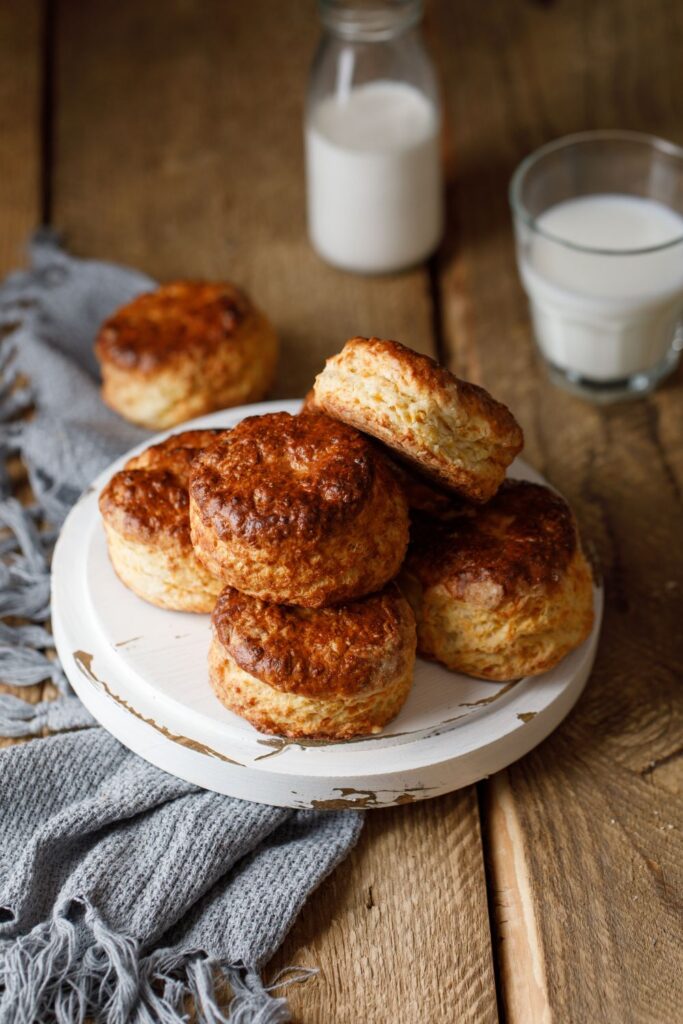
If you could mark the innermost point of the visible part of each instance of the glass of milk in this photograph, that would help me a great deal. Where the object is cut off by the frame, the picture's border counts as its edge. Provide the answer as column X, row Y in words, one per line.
column 599, row 228
column 372, row 128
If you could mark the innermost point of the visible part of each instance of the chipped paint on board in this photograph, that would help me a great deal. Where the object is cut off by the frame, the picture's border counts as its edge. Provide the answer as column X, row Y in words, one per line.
column 494, row 696
column 361, row 799
column 279, row 744
column 526, row 716
column 83, row 661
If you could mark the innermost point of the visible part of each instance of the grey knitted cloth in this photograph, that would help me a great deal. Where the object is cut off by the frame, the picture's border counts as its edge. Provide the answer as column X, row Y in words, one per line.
column 123, row 890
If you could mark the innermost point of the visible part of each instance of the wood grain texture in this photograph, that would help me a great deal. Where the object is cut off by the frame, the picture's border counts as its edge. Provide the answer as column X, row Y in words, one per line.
column 20, row 158
column 583, row 835
column 178, row 149
column 398, row 930
column 21, row 27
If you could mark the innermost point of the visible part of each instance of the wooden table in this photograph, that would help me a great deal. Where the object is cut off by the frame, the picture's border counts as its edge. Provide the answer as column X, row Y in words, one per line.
column 168, row 135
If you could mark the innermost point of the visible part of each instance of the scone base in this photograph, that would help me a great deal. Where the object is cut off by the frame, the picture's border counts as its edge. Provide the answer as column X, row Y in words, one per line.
column 294, row 716
column 167, row 578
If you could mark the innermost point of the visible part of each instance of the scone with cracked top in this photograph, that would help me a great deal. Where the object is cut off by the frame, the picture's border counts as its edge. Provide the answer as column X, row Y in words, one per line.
column 145, row 510
column 326, row 673
column 185, row 349
column 450, row 430
column 503, row 591
column 298, row 510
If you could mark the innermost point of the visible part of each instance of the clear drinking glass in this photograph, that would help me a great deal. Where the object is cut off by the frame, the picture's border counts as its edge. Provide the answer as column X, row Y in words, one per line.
column 599, row 229
column 372, row 131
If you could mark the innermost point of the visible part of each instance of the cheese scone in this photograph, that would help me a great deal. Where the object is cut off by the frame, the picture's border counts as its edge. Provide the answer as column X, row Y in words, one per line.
column 326, row 673
column 504, row 591
column 297, row 510
column 185, row 349
column 145, row 511
column 451, row 431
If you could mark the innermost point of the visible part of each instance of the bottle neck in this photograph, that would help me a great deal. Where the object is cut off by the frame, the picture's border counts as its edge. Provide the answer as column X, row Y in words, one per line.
column 369, row 21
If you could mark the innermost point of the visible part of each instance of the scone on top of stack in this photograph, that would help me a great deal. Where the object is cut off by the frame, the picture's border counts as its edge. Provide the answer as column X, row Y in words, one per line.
column 449, row 430
column 299, row 510
column 184, row 349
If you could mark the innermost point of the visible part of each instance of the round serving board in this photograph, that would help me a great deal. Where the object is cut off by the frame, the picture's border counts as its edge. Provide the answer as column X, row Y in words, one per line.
column 141, row 672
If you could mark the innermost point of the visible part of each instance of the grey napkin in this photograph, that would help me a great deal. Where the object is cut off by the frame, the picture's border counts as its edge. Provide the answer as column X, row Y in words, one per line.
column 123, row 890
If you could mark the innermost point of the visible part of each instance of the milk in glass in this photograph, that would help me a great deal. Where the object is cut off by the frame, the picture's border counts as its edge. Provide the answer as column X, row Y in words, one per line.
column 605, row 300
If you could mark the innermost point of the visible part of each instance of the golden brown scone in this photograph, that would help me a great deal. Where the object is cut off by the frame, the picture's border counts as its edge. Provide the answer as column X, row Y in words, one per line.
column 504, row 592
column 185, row 349
column 451, row 430
column 145, row 509
column 297, row 510
column 328, row 673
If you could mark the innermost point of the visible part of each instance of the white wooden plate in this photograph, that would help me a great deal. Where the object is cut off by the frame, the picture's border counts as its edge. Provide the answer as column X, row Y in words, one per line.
column 142, row 673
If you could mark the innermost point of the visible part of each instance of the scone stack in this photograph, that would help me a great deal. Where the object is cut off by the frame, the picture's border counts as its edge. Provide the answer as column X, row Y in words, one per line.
column 332, row 545
column 304, row 520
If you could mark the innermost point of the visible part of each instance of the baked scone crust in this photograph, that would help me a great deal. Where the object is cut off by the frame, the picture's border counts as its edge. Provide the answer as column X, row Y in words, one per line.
column 504, row 591
column 329, row 673
column 297, row 510
column 425, row 497
column 187, row 348
column 451, row 430
column 145, row 510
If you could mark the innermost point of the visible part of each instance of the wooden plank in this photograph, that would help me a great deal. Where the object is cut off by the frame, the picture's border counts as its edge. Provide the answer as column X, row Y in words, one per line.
column 179, row 150
column 584, row 834
column 20, row 97
column 398, row 930
column 184, row 155
column 20, row 160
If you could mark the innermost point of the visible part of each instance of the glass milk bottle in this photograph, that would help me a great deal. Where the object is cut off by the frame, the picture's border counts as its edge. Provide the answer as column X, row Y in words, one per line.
column 372, row 127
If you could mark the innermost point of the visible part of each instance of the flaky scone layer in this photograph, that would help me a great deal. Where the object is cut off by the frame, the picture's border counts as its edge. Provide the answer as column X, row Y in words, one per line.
column 169, row 577
column 421, row 491
column 452, row 431
column 504, row 592
column 183, row 350
column 297, row 510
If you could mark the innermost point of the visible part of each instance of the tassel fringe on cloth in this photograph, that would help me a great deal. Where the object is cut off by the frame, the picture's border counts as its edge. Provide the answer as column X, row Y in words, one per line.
column 70, row 971
column 127, row 896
